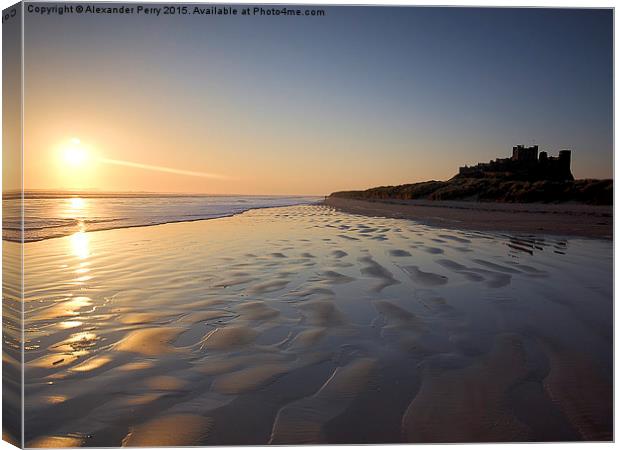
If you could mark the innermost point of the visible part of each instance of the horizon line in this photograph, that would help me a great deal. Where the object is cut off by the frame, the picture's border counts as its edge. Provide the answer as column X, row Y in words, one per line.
column 102, row 193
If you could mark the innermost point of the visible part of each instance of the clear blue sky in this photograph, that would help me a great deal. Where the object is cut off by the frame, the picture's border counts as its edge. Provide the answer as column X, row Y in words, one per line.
column 361, row 97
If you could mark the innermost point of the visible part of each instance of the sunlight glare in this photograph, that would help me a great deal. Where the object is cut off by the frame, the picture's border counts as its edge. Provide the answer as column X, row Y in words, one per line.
column 77, row 203
column 74, row 154
column 80, row 245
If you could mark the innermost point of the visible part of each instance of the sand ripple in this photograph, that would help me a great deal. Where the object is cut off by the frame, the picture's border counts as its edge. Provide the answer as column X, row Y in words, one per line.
column 302, row 422
column 149, row 341
column 248, row 379
column 176, row 430
column 425, row 278
column 577, row 386
column 307, row 325
column 376, row 270
column 469, row 405
column 229, row 337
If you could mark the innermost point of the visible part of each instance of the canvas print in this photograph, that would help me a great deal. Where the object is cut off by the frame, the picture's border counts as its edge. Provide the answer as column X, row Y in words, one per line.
column 254, row 224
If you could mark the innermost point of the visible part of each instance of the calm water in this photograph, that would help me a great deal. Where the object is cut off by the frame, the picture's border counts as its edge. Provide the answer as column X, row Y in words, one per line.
column 304, row 325
column 54, row 215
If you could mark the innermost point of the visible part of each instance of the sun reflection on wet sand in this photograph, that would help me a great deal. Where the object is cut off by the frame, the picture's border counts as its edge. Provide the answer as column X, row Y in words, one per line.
column 70, row 324
column 80, row 245
column 66, row 308
column 73, row 306
column 55, row 399
column 92, row 364
column 56, row 442
column 83, row 268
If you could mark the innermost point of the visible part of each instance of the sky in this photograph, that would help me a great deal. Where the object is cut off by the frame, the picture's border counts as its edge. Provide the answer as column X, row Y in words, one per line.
column 362, row 97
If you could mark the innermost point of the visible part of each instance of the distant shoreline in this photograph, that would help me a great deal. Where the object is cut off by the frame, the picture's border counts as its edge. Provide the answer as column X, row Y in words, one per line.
column 593, row 221
column 494, row 190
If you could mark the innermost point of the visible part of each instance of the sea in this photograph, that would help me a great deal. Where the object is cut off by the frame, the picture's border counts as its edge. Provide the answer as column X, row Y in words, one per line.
column 50, row 215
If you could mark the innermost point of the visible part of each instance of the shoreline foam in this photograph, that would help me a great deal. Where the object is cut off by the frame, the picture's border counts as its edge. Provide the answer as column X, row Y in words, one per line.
column 61, row 217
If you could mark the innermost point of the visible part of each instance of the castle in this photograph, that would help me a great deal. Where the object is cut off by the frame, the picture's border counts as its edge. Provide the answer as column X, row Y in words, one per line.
column 525, row 164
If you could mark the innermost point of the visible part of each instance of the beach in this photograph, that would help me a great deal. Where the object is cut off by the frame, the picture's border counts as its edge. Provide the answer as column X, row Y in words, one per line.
column 308, row 324
column 569, row 219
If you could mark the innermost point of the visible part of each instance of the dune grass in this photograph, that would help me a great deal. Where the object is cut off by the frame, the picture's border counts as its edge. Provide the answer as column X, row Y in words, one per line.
column 588, row 191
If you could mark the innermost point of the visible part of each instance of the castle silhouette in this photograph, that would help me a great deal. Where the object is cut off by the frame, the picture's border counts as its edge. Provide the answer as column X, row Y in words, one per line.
column 525, row 164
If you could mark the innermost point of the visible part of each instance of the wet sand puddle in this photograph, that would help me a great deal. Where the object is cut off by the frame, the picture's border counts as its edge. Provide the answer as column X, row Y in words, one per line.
column 306, row 325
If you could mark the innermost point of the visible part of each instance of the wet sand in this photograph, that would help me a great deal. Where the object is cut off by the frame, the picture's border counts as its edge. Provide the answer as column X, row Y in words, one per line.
column 534, row 218
column 306, row 325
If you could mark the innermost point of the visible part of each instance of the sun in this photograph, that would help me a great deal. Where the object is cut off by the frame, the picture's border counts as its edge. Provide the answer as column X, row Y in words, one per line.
column 74, row 154
column 74, row 157
column 76, row 167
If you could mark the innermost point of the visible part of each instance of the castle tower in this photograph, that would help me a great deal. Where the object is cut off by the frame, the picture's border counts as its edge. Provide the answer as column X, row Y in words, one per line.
column 543, row 160
column 564, row 160
column 523, row 153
